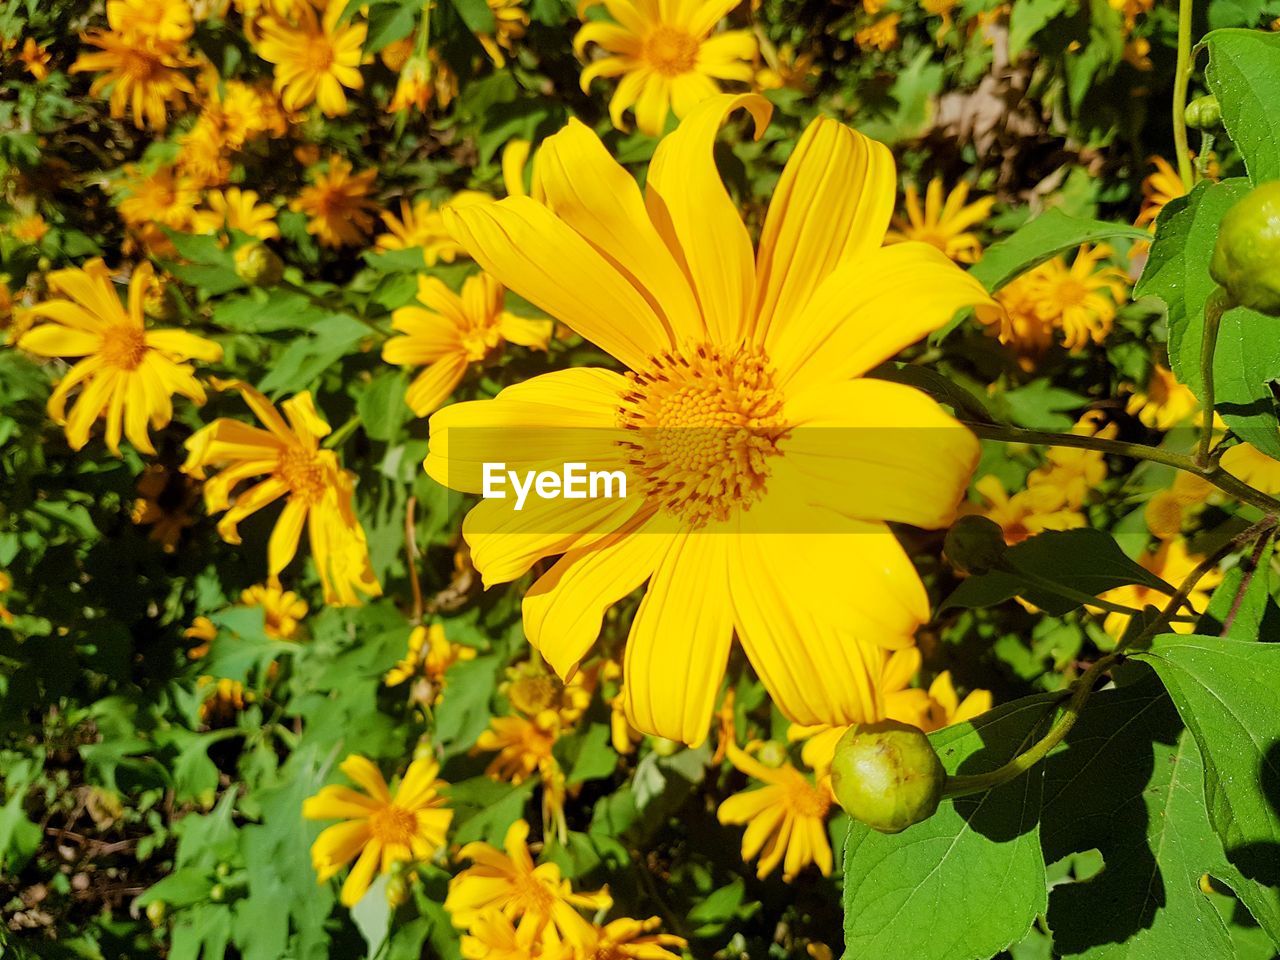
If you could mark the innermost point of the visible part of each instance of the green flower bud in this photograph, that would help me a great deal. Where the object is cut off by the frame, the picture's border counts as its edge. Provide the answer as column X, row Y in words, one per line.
column 258, row 265
column 664, row 747
column 887, row 775
column 218, row 893
column 156, row 911
column 975, row 545
column 1246, row 258
column 1203, row 113
column 772, row 753
column 222, row 870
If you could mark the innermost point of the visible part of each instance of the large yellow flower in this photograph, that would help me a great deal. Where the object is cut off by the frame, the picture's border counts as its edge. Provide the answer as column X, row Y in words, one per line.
column 144, row 78
column 786, row 818
column 533, row 897
column 338, row 204
column 761, row 468
column 128, row 374
column 449, row 332
column 945, row 223
column 317, row 491
column 381, row 827
column 665, row 55
column 315, row 57
column 1080, row 300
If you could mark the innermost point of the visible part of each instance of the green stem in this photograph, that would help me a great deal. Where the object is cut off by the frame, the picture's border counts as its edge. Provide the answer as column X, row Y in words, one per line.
column 1214, row 308
column 1137, row 451
column 339, row 436
column 1182, row 77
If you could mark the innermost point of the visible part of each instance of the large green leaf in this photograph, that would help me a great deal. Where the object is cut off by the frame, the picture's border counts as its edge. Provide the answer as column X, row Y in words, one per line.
column 1226, row 692
column 1087, row 561
column 974, row 869
column 1244, row 73
column 1129, row 783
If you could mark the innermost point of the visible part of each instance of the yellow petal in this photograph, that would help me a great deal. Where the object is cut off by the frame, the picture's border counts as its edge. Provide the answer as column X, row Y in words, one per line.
column 55, row 340
column 431, row 388
column 363, row 771
column 361, row 875
column 338, row 803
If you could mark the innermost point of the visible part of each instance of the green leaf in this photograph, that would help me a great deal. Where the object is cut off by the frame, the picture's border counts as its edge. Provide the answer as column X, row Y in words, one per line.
column 1225, row 691
column 1086, row 560
column 476, row 14
column 1242, row 606
column 180, row 889
column 1246, row 367
column 372, row 915
column 381, row 406
column 1128, row 782
column 389, row 22
column 974, row 869
column 1244, row 74
column 1026, row 20
column 307, row 357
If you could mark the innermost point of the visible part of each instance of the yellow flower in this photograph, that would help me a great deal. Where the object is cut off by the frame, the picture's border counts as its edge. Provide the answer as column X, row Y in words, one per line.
column 666, row 56
column 939, row 8
column 946, row 707
column 164, row 198
column 881, row 35
column 510, row 21
column 1172, row 563
column 421, row 225
column 1080, row 300
column 128, row 374
column 1014, row 319
column 381, row 827
column 1026, row 513
column 317, row 491
column 1137, row 53
column 281, row 609
column 165, row 500
column 423, row 80
column 223, row 699
column 494, row 937
column 448, row 332
column 160, row 21
column 203, row 630
column 533, row 898
column 786, row 819
column 314, row 57
column 440, row 656
column 535, row 693
column 1167, row 510
column 143, row 73
column 1158, row 189
column 1165, row 403
column 523, row 746
column 943, row 223
column 236, row 209
column 6, row 584
column 1254, row 467
column 1131, row 9
column 1069, row 473
column 338, row 204
column 711, row 338
column 30, row 229
column 35, row 58
column 627, row 939
column 784, row 68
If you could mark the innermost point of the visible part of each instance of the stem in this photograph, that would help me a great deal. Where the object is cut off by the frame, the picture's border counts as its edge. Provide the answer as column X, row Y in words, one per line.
column 339, row 436
column 1246, row 579
column 411, row 552
column 1137, row 451
column 1181, row 79
column 1214, row 308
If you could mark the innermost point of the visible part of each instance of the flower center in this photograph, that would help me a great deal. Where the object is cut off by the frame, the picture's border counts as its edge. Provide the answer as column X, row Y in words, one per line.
column 301, row 471
column 806, row 800
column 531, row 894
column 1070, row 292
column 670, row 51
column 703, row 424
column 394, row 824
column 532, row 695
column 318, row 55
column 123, row 346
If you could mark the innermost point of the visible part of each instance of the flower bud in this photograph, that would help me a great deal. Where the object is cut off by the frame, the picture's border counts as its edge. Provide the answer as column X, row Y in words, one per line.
column 218, row 893
column 1203, row 113
column 1246, row 258
column 258, row 265
column 887, row 775
column 156, row 911
column 772, row 753
column 975, row 545
column 397, row 891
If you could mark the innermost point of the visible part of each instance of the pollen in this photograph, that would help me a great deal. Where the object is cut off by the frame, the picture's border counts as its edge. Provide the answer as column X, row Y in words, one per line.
column 301, row 471
column 703, row 425
column 394, row 825
column 124, row 346
column 806, row 800
column 671, row 51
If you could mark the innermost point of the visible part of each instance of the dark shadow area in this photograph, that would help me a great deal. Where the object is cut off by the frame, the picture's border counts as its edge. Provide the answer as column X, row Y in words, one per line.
column 1260, row 862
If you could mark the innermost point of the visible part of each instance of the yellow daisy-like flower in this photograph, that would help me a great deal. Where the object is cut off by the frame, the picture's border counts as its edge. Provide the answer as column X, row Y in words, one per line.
column 315, row 57
column 143, row 76
column 1070, row 473
column 523, row 746
column 536, row 693
column 422, row 225
column 666, row 56
column 166, row 197
column 236, row 209
column 432, row 665
column 1166, row 512
column 223, row 699
column 318, row 492
column 281, row 609
column 786, row 819
column 945, row 223
column 338, row 204
column 946, row 707
column 1080, row 300
column 379, row 828
column 1026, row 513
column 165, row 501
column 627, row 939
column 1172, row 563
column 35, row 58
column 510, row 21
column 1158, row 188
column 756, row 363
column 494, row 937
column 881, row 35
column 1165, row 403
column 160, row 21
column 532, row 897
column 30, row 229
column 127, row 374
column 448, row 332
column 1016, row 321
column 1254, row 467
column 784, row 68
